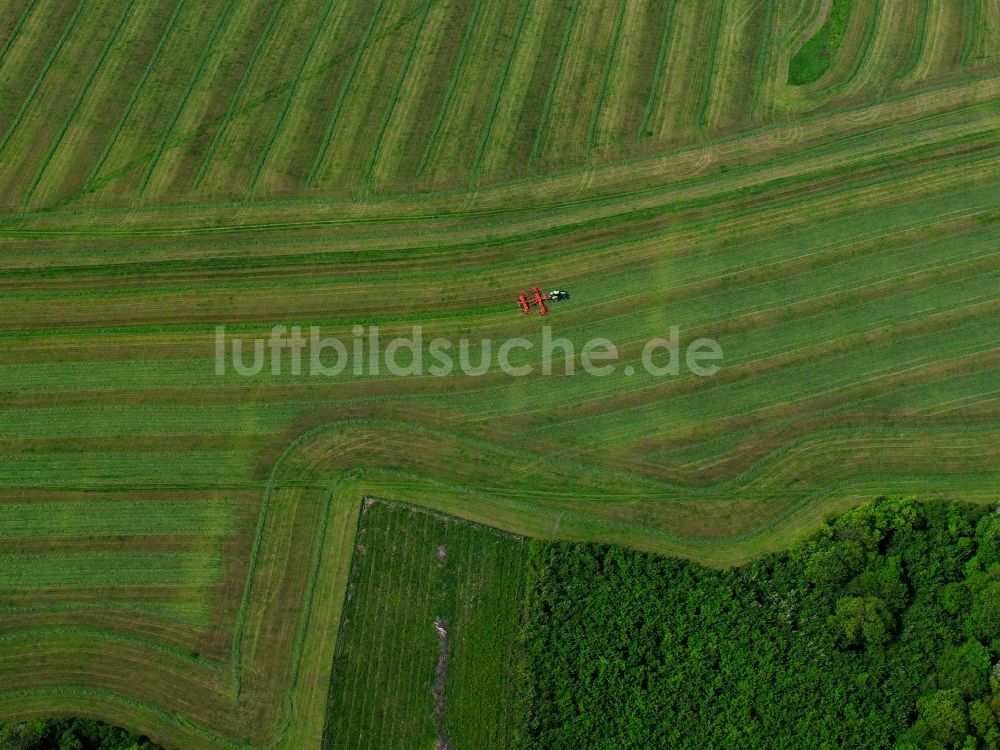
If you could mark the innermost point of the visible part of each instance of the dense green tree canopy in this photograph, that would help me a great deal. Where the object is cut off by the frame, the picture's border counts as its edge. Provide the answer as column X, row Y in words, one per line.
column 69, row 734
column 881, row 630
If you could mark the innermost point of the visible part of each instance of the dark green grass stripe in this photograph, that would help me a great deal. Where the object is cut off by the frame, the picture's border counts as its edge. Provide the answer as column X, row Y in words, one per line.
column 864, row 49
column 766, row 45
column 971, row 29
column 234, row 101
column 456, row 75
column 666, row 36
column 352, row 72
column 59, row 207
column 543, row 121
column 705, row 97
column 136, row 92
column 25, row 12
column 206, row 53
column 390, row 108
column 40, row 78
column 81, row 95
column 918, row 42
column 286, row 106
column 675, row 205
column 501, row 87
column 609, row 61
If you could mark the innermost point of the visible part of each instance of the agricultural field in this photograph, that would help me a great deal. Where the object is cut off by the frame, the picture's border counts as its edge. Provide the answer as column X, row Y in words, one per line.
column 176, row 538
column 429, row 630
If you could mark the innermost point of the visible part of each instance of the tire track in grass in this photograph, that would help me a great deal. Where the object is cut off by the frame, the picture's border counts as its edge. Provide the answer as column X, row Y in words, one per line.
column 369, row 170
column 452, row 86
column 352, row 72
column 81, row 95
column 536, row 145
column 136, row 92
column 25, row 12
column 501, row 87
column 40, row 78
column 666, row 37
column 206, row 53
column 238, row 93
column 265, row 152
column 603, row 90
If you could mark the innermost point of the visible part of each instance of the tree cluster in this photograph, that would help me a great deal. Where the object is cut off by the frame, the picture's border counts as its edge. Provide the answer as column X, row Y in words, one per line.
column 69, row 734
column 882, row 630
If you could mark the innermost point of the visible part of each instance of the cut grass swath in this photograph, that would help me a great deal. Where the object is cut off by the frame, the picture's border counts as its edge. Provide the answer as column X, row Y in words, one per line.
column 202, row 62
column 234, row 100
column 30, row 98
column 16, row 28
column 536, row 144
column 456, row 76
column 324, row 143
column 369, row 168
column 137, row 91
column 603, row 90
column 279, row 123
column 661, row 58
column 498, row 95
column 71, row 115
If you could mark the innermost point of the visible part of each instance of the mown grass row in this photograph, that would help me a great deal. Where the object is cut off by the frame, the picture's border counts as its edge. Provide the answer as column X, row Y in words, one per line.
column 263, row 172
column 234, row 100
column 199, row 70
column 29, row 99
column 849, row 277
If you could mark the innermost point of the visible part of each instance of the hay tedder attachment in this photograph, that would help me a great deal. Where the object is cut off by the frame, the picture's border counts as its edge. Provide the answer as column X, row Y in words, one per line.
column 537, row 299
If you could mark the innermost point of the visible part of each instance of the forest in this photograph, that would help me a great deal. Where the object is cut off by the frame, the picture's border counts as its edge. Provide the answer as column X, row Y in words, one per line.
column 69, row 734
column 881, row 630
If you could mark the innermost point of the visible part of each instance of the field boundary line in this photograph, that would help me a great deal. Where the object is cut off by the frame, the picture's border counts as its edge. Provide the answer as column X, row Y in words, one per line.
column 78, row 102
column 234, row 100
column 40, row 78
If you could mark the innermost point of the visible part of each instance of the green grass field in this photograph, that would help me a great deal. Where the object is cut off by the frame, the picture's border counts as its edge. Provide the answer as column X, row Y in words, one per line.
column 175, row 545
column 412, row 571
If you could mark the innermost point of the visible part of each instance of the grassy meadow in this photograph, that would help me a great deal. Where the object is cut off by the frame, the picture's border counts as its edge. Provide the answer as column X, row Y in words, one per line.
column 411, row 572
column 175, row 544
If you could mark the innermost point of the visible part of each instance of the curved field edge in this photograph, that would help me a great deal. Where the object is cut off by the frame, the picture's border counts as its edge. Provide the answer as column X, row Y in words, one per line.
column 336, row 459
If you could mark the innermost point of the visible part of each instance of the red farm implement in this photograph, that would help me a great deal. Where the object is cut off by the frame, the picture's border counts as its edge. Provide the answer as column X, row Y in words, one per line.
column 537, row 299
